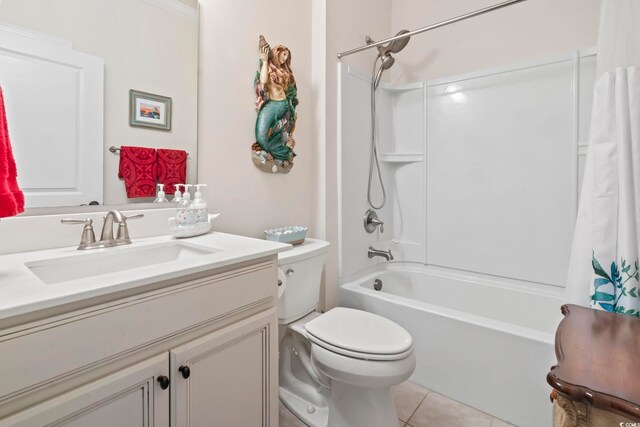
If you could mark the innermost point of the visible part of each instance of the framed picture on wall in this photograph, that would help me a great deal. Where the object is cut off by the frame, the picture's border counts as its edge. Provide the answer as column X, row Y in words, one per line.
column 149, row 110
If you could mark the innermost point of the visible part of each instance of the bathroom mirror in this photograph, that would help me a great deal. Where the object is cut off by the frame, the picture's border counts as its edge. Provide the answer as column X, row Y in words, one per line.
column 67, row 68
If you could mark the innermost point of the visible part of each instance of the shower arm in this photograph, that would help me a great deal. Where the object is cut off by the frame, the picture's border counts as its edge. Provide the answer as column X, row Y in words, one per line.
column 431, row 27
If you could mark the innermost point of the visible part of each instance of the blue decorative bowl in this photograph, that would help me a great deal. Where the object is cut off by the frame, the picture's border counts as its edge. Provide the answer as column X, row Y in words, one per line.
column 293, row 235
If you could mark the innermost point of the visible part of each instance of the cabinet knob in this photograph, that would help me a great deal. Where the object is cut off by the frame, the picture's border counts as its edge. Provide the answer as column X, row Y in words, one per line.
column 185, row 371
column 163, row 381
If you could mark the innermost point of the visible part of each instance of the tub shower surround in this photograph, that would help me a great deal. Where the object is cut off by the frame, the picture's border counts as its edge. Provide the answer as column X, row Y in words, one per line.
column 481, row 234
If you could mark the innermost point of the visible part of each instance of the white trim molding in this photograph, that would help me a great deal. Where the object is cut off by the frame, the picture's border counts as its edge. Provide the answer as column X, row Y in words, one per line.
column 41, row 37
column 177, row 7
column 318, row 82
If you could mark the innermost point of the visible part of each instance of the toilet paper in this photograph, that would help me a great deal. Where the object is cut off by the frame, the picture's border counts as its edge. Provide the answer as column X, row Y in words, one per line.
column 282, row 282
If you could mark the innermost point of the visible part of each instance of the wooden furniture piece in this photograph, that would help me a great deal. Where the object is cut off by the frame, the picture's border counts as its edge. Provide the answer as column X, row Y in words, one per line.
column 596, row 381
column 199, row 350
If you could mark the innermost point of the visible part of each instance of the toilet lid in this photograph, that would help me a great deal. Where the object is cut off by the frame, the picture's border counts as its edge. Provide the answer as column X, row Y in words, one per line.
column 359, row 333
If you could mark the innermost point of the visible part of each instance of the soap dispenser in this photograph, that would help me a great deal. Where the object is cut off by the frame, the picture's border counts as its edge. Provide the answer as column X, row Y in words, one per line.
column 199, row 205
column 177, row 196
column 160, row 198
column 186, row 214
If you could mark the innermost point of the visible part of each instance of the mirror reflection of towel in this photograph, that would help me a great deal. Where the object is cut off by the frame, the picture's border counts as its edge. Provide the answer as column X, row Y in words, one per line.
column 138, row 169
column 172, row 168
column 11, row 198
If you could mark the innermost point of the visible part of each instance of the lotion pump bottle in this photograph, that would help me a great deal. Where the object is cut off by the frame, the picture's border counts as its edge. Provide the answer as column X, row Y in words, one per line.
column 177, row 196
column 160, row 198
column 186, row 214
column 199, row 205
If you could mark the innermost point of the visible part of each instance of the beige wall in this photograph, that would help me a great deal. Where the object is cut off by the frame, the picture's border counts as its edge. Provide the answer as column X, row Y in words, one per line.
column 250, row 200
column 521, row 32
column 144, row 47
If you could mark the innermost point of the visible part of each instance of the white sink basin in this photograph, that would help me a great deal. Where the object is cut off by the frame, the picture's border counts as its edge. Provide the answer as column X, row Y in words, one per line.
column 112, row 260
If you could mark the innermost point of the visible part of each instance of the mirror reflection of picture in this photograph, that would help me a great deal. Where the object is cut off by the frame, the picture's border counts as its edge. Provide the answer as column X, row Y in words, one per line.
column 149, row 110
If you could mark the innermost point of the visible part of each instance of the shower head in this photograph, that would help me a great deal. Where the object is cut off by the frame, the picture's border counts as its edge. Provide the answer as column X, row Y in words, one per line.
column 387, row 62
column 396, row 45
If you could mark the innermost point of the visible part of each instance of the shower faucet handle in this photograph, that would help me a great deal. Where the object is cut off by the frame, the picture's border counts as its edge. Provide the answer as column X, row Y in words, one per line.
column 371, row 222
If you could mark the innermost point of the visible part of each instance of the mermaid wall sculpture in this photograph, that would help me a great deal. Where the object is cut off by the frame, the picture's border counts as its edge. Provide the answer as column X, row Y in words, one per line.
column 276, row 101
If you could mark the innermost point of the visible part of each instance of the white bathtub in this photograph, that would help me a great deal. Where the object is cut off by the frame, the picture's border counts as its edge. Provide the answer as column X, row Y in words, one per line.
column 488, row 343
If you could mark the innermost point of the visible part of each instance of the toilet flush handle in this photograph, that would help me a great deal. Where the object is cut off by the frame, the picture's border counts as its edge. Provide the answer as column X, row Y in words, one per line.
column 289, row 272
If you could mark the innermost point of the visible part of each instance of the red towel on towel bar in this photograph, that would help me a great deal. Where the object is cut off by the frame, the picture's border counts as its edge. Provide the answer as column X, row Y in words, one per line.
column 138, row 169
column 172, row 168
column 11, row 198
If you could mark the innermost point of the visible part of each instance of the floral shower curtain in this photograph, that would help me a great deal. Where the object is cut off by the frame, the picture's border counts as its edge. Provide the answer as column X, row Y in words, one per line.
column 604, row 271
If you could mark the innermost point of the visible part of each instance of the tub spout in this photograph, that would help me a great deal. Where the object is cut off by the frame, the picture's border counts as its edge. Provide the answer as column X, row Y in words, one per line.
column 384, row 254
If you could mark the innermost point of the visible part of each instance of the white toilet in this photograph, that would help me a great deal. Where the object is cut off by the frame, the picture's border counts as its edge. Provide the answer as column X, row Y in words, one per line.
column 336, row 368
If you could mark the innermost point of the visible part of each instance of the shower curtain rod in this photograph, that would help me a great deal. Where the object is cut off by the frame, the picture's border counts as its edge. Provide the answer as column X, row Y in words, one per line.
column 432, row 27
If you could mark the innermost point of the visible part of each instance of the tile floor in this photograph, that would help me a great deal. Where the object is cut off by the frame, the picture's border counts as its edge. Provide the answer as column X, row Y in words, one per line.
column 419, row 407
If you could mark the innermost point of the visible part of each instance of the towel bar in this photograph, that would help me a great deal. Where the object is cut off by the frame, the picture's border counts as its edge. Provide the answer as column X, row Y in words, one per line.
column 115, row 149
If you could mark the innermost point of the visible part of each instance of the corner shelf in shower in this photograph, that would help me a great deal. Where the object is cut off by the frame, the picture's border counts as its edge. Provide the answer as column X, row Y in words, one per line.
column 401, row 157
column 404, row 87
column 400, row 242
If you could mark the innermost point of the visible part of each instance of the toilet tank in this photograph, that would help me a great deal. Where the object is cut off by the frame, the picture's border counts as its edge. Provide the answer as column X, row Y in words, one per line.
column 303, row 268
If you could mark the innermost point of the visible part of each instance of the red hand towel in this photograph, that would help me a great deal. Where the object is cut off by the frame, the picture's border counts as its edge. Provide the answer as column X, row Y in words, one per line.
column 138, row 169
column 172, row 168
column 11, row 198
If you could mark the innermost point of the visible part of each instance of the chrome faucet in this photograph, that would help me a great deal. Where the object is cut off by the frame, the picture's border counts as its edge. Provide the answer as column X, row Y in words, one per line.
column 384, row 254
column 88, row 240
column 107, row 229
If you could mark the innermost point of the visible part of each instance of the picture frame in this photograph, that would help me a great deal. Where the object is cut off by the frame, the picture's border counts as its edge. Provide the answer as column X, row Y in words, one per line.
column 149, row 110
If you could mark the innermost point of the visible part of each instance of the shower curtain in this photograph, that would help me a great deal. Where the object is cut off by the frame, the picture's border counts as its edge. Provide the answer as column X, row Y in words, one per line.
column 604, row 270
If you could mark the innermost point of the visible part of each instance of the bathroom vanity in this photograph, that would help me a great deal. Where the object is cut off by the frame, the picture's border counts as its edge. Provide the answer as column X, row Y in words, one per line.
column 163, row 332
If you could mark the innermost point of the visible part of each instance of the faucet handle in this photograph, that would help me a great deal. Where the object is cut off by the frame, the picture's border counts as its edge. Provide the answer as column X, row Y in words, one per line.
column 123, row 231
column 371, row 221
column 136, row 216
column 87, row 221
column 88, row 236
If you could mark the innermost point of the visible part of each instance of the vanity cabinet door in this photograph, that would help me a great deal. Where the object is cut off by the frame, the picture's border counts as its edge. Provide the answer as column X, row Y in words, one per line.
column 229, row 377
column 132, row 397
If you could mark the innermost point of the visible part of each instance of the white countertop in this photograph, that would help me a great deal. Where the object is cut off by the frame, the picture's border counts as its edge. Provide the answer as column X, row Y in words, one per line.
column 22, row 292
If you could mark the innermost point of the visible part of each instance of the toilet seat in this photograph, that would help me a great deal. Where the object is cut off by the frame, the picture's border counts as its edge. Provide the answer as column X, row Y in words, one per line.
column 359, row 334
column 359, row 355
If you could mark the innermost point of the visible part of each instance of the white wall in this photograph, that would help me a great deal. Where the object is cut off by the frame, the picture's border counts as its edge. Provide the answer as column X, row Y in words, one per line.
column 502, row 171
column 250, row 200
column 521, row 32
column 144, row 47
